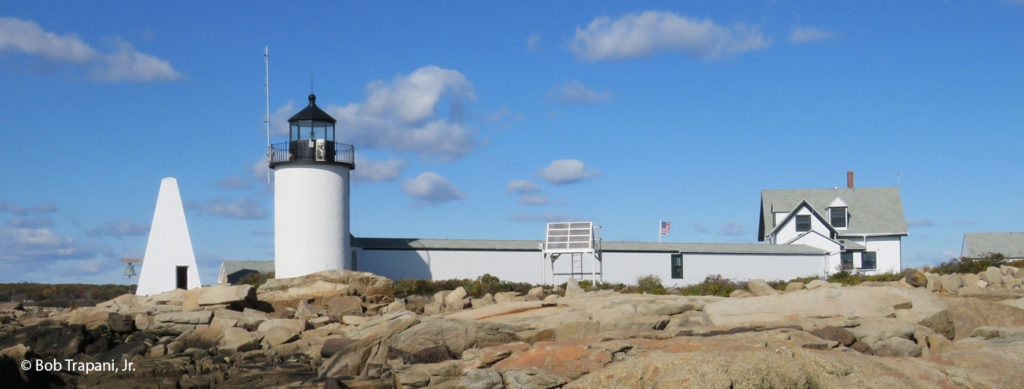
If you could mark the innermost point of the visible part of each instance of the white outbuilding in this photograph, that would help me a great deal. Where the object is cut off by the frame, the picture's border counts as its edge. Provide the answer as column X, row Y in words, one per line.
column 169, row 262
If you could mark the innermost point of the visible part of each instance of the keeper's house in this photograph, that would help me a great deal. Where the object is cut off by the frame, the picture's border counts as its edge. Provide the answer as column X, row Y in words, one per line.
column 861, row 229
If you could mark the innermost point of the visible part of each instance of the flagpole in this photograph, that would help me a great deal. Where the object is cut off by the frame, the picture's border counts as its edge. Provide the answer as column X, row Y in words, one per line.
column 659, row 230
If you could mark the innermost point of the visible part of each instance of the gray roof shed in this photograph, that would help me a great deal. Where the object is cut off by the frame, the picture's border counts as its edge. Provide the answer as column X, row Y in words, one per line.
column 1010, row 244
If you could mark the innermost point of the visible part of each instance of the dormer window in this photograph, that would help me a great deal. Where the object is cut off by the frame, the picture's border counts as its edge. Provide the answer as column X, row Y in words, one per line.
column 803, row 223
column 837, row 215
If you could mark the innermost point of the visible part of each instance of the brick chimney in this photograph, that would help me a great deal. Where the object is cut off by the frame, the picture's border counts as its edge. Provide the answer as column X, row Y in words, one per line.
column 849, row 179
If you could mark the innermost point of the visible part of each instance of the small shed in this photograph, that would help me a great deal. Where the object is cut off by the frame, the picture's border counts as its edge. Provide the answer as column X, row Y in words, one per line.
column 231, row 272
column 1010, row 244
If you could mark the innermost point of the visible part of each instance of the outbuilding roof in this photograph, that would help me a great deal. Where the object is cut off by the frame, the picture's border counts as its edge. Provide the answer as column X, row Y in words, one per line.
column 1010, row 244
column 872, row 211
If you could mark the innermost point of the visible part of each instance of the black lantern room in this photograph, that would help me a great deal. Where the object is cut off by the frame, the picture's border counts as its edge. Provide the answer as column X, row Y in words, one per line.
column 311, row 139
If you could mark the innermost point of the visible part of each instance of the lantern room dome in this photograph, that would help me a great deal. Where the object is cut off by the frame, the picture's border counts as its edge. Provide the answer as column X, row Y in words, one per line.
column 313, row 113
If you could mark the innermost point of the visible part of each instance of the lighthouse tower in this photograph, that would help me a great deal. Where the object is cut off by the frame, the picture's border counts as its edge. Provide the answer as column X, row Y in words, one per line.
column 311, row 184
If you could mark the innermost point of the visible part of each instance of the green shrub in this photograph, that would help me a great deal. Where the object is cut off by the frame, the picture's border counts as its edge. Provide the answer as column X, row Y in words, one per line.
column 781, row 285
column 588, row 285
column 650, row 284
column 410, row 287
column 474, row 288
column 713, row 285
column 846, row 278
column 971, row 265
column 61, row 295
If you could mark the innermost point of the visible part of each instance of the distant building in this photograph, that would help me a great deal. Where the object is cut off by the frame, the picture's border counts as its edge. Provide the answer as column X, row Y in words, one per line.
column 1010, row 244
column 231, row 272
column 860, row 228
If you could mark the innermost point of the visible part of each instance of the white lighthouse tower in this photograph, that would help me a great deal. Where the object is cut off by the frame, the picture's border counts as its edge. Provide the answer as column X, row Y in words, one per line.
column 311, row 213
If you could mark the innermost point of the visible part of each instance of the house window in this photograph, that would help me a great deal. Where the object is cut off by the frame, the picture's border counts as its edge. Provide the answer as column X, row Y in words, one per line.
column 838, row 216
column 677, row 266
column 868, row 261
column 846, row 260
column 803, row 223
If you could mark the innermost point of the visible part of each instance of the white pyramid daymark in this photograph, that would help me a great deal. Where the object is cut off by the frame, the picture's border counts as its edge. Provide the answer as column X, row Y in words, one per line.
column 169, row 261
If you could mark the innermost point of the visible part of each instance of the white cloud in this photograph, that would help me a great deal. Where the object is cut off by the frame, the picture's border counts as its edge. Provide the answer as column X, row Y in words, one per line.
column 88, row 266
column 522, row 187
column 32, row 244
column 128, row 64
column 432, row 189
column 732, row 228
column 125, row 64
column 547, row 218
column 258, row 170
column 413, row 98
column 279, row 119
column 575, row 92
column 533, row 42
column 700, row 228
column 232, row 183
column 28, row 37
column 640, row 34
column 921, row 222
column 402, row 115
column 246, row 208
column 808, row 34
column 566, row 171
column 536, row 199
column 118, row 228
column 368, row 169
column 30, row 222
column 43, row 207
column 503, row 113
column 504, row 118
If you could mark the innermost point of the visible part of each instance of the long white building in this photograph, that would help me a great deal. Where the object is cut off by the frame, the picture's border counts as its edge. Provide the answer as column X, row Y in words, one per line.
column 676, row 264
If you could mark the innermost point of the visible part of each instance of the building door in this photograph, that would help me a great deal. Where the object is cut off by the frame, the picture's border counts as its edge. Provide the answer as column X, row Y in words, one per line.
column 182, row 277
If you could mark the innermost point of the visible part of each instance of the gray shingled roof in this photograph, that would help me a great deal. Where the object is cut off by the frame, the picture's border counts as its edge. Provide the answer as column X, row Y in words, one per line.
column 534, row 245
column 235, row 270
column 1010, row 244
column 871, row 210
column 851, row 245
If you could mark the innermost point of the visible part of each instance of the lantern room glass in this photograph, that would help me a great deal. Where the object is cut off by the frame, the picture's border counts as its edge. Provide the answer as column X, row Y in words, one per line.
column 311, row 129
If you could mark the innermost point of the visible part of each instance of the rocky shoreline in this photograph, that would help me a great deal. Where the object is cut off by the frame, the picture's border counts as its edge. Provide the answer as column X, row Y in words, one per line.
column 346, row 329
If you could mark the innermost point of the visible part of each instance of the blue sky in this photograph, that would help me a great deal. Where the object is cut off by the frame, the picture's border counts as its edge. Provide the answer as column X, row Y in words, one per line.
column 484, row 120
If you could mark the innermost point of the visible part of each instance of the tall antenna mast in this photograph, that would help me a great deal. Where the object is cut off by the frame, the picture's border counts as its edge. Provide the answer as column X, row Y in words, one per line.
column 266, row 88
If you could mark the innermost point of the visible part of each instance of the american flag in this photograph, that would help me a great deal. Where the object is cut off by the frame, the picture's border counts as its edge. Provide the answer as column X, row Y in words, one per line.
column 665, row 226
